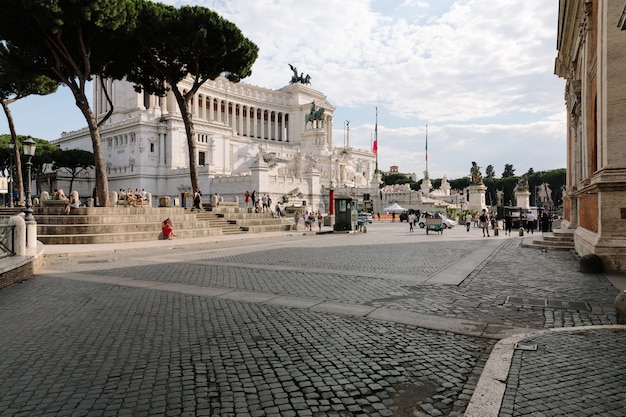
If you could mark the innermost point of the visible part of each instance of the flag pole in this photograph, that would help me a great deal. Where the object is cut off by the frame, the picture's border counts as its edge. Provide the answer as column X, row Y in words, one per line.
column 426, row 149
column 376, row 140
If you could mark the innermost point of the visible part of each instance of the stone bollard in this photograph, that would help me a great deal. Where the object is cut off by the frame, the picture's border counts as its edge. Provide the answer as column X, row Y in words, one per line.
column 164, row 201
column 521, row 231
column 19, row 239
column 590, row 264
column 620, row 308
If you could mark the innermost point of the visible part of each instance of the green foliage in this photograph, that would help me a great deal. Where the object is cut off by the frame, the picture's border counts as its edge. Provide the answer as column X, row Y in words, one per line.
column 191, row 40
column 71, row 41
column 392, row 179
column 460, row 183
column 19, row 77
column 509, row 171
column 73, row 161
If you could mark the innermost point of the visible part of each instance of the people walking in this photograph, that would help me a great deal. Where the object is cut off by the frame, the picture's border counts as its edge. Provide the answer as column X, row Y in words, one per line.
column 411, row 220
column 484, row 222
column 508, row 223
column 530, row 222
column 468, row 221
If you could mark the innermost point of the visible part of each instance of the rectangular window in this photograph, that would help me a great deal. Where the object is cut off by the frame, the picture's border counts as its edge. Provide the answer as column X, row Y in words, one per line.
column 201, row 158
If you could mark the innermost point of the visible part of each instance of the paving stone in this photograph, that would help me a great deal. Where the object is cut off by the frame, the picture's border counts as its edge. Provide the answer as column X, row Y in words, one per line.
column 114, row 349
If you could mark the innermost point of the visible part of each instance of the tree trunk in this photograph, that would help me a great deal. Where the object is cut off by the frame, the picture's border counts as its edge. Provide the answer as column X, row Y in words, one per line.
column 191, row 143
column 102, row 181
column 17, row 162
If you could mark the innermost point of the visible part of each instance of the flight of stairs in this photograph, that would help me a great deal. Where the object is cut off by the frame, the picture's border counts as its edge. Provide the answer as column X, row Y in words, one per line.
column 558, row 239
column 89, row 225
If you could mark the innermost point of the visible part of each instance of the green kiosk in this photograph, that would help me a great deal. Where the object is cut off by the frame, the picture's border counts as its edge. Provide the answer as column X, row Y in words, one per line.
column 345, row 213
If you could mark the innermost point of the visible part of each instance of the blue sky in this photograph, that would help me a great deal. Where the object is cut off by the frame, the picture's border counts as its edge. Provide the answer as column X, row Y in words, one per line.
column 479, row 73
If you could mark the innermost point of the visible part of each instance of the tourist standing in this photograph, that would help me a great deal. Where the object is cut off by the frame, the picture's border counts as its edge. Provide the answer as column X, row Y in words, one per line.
column 508, row 223
column 197, row 199
column 296, row 219
column 468, row 221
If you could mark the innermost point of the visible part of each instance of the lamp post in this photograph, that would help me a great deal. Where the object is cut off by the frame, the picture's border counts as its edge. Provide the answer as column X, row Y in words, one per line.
column 11, row 150
column 28, row 145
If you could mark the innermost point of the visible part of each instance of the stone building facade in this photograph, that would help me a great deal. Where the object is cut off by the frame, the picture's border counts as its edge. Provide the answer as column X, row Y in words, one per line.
column 248, row 138
column 591, row 44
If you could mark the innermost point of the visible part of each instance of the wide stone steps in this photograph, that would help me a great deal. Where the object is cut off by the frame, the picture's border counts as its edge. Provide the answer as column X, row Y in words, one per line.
column 247, row 221
column 89, row 225
column 558, row 239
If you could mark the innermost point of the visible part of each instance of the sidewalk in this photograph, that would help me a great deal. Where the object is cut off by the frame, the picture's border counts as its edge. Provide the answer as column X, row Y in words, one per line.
column 557, row 372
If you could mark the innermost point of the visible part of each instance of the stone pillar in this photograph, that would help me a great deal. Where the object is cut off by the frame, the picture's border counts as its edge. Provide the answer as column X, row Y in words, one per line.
column 252, row 113
column 522, row 199
column 261, row 124
column 246, row 121
column 477, row 197
column 259, row 173
column 19, row 242
column 31, row 237
column 240, row 121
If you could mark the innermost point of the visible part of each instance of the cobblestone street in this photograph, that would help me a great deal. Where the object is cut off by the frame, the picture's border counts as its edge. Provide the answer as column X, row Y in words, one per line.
column 285, row 325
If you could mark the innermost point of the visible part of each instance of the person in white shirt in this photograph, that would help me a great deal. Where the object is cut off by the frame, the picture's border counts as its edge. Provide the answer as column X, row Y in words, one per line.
column 530, row 222
column 468, row 221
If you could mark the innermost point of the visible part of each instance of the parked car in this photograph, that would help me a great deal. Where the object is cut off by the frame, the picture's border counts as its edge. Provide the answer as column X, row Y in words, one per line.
column 365, row 217
column 445, row 221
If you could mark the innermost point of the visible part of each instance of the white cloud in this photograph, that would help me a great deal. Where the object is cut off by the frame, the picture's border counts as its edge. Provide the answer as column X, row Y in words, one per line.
column 478, row 72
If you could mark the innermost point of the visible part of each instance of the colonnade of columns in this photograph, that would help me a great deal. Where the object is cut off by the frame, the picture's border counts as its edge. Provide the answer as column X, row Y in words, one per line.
column 245, row 120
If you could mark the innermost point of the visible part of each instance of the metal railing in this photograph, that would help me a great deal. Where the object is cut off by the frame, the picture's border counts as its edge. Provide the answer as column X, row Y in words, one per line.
column 7, row 240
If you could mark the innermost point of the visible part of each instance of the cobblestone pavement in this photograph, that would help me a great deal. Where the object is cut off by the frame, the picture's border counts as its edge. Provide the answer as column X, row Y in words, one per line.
column 573, row 387
column 79, row 341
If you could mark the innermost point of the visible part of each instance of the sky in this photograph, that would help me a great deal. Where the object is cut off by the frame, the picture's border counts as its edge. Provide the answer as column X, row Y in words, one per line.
column 473, row 78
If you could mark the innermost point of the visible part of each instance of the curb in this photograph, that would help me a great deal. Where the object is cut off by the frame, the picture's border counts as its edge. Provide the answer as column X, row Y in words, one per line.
column 489, row 393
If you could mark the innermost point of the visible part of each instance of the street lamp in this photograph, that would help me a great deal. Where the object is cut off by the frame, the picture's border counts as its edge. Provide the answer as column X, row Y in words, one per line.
column 11, row 150
column 28, row 145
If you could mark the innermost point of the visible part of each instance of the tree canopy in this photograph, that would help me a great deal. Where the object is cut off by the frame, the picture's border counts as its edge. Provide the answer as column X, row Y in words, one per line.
column 508, row 171
column 180, row 49
column 19, row 78
column 71, row 41
column 73, row 161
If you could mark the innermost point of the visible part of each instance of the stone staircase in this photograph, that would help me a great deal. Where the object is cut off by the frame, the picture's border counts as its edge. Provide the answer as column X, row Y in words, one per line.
column 558, row 239
column 89, row 225
column 231, row 218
